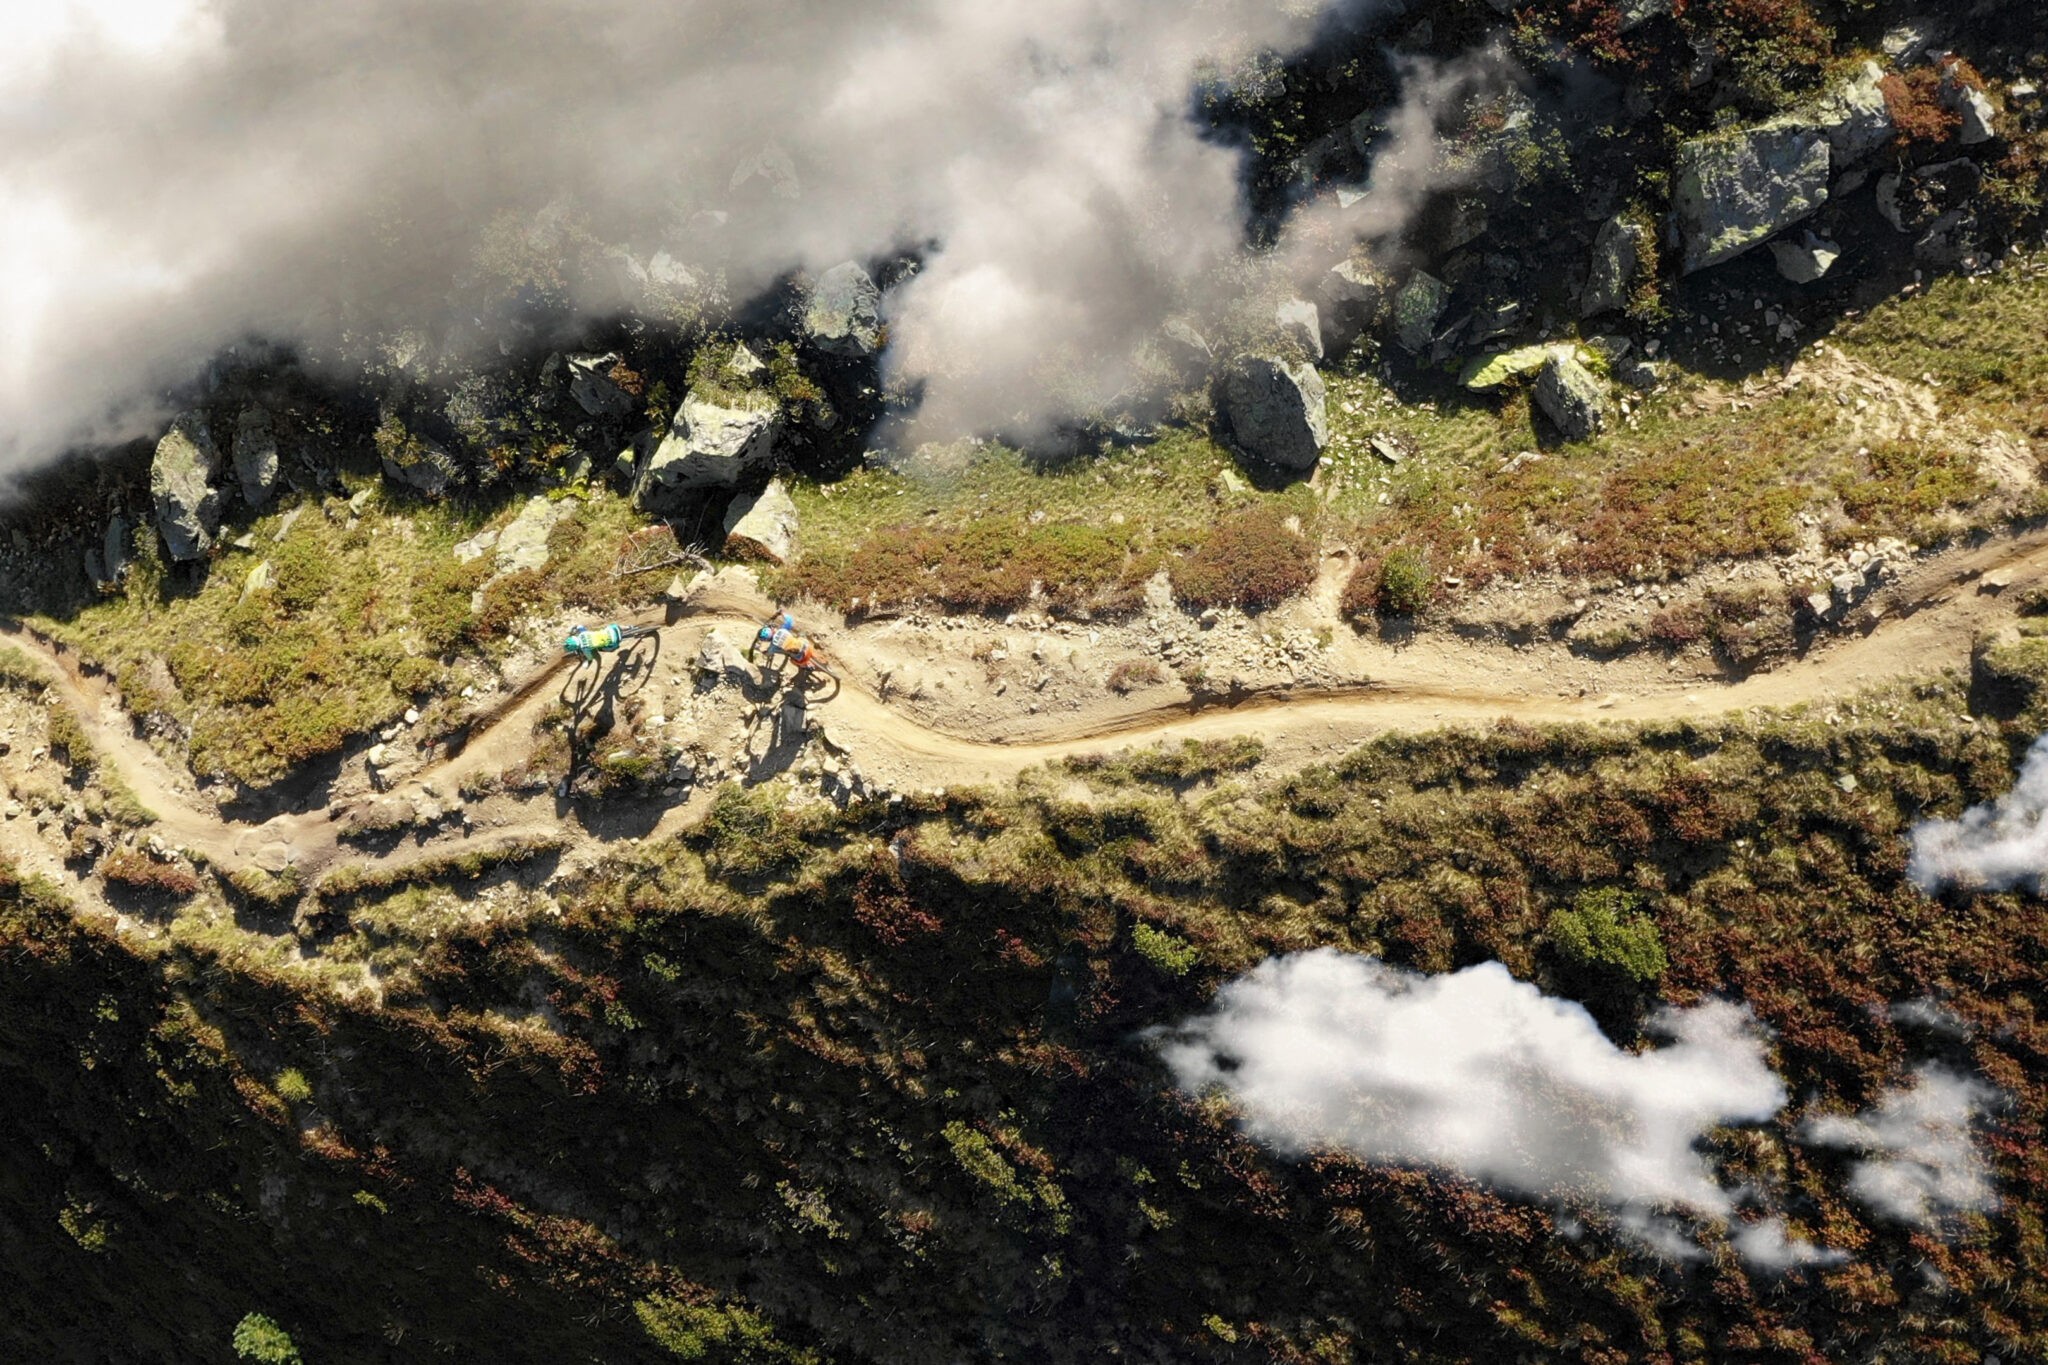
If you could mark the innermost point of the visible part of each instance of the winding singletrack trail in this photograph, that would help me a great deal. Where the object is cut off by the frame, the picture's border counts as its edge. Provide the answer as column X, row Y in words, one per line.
column 1937, row 610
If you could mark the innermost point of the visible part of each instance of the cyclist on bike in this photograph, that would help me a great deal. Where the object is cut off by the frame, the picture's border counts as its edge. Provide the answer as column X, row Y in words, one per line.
column 585, row 642
column 778, row 633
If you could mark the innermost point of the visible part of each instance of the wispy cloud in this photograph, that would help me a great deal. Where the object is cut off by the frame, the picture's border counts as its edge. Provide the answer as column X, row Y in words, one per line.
column 1995, row 846
column 1920, row 1160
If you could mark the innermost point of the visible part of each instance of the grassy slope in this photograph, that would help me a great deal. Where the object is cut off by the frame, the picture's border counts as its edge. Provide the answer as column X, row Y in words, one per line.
column 871, row 1077
column 366, row 614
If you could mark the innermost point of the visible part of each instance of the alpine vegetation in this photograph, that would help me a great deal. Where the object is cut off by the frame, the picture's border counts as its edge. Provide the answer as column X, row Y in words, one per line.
column 1920, row 1161
column 1995, row 846
column 1484, row 1076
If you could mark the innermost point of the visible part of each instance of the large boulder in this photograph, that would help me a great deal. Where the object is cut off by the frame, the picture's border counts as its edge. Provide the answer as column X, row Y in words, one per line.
column 709, row 445
column 255, row 456
column 1738, row 189
column 1571, row 397
column 1853, row 116
column 1417, row 309
column 1617, row 250
column 762, row 526
column 592, row 386
column 844, row 313
column 181, row 484
column 1276, row 412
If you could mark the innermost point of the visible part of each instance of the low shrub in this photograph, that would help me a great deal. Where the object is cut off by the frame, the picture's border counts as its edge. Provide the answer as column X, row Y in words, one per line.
column 1170, row 953
column 1603, row 933
column 1253, row 559
column 1135, row 673
column 258, row 1338
column 132, row 867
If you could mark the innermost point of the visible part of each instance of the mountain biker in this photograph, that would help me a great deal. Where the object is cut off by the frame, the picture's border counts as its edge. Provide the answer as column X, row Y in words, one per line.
column 777, row 633
column 586, row 642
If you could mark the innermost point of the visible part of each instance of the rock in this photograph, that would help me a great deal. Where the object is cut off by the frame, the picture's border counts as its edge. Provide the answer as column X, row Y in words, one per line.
column 1417, row 308
column 1185, row 348
column 1300, row 322
column 255, row 456
column 744, row 363
column 709, row 445
column 1806, row 260
column 1357, row 285
column 1853, row 116
column 114, row 550
column 476, row 547
column 718, row 655
column 422, row 465
column 1495, row 320
column 1639, row 374
column 1386, row 448
column 1737, row 189
column 181, row 485
column 523, row 544
column 259, row 580
column 1910, row 41
column 762, row 526
column 1617, row 250
column 844, row 313
column 412, row 715
column 1492, row 371
column 592, row 386
column 1978, row 114
column 1571, row 397
column 1275, row 411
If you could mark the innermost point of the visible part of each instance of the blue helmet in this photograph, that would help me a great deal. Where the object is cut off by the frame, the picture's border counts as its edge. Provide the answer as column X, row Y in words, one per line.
column 764, row 633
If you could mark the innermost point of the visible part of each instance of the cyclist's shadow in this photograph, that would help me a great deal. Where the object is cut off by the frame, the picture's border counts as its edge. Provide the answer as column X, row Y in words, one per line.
column 592, row 692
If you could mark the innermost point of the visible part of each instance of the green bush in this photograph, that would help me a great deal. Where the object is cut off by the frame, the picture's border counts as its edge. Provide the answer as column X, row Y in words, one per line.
column 1405, row 584
column 1170, row 953
column 258, row 1338
column 1603, row 932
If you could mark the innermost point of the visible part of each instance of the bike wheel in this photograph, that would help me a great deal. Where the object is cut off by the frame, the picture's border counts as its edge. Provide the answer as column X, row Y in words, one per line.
column 635, row 632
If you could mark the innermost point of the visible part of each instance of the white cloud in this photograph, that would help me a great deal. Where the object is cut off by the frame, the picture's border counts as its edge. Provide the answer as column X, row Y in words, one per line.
column 1921, row 1161
column 1995, row 846
column 300, row 171
column 1484, row 1076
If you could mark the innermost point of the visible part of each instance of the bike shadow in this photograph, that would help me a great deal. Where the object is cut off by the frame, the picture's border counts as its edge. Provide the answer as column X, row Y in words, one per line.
column 592, row 693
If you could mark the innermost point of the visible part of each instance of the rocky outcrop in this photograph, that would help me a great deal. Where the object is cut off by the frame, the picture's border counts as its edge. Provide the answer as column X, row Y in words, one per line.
column 762, row 525
column 1735, row 190
column 181, row 485
column 1417, row 308
column 844, row 313
column 255, row 456
column 709, row 445
column 1299, row 322
column 1571, row 397
column 591, row 385
column 1616, row 252
column 1275, row 411
column 1853, row 116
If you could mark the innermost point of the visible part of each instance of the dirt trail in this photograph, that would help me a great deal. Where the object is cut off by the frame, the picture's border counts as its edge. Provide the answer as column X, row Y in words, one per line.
column 1939, row 606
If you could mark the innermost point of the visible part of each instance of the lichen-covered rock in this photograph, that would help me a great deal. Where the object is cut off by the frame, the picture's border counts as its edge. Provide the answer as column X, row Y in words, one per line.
column 709, row 445
column 1976, row 110
column 255, row 456
column 844, row 313
column 1299, row 322
column 762, row 526
column 181, row 485
column 1417, row 309
column 1853, row 116
column 1275, row 411
column 1492, row 371
column 592, row 386
column 1617, row 250
column 1735, row 190
column 523, row 544
column 1571, row 397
